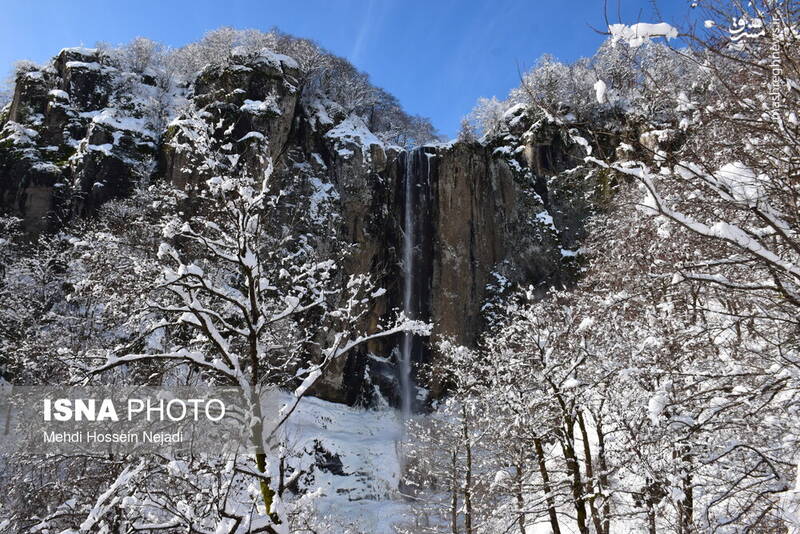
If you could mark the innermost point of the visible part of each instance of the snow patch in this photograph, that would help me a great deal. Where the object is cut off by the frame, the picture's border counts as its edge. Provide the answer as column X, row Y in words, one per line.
column 360, row 483
column 58, row 94
column 83, row 65
column 545, row 218
column 600, row 89
column 277, row 60
column 259, row 107
column 323, row 193
column 251, row 135
column 740, row 181
column 353, row 131
column 656, row 406
column 104, row 148
column 109, row 117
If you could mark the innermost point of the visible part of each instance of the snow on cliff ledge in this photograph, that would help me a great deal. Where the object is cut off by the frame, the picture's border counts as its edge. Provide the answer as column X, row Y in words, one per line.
column 268, row 57
column 353, row 131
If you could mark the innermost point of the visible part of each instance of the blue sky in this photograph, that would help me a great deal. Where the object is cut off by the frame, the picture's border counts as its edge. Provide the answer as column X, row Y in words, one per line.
column 437, row 56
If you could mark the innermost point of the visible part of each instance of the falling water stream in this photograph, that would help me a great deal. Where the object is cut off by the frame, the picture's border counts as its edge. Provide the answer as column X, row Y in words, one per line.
column 417, row 264
column 408, row 285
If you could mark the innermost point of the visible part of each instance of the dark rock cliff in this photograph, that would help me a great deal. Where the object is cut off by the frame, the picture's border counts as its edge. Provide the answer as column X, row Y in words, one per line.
column 487, row 215
column 71, row 140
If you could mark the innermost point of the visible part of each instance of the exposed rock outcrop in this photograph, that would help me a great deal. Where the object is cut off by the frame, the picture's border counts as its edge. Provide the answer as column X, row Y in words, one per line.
column 73, row 138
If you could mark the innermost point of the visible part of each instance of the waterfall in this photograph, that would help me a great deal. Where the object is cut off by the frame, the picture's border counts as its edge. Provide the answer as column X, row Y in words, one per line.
column 417, row 271
column 408, row 285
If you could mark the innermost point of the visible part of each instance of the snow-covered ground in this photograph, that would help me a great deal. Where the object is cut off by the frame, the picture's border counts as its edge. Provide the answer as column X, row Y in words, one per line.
column 352, row 458
column 360, row 472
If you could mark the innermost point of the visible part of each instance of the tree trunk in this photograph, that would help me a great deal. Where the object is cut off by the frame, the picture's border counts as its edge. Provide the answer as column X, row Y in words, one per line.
column 567, row 438
column 257, row 437
column 454, row 493
column 266, row 492
column 281, row 476
column 686, row 507
column 603, row 477
column 573, row 468
column 551, row 505
column 587, row 455
column 467, row 475
column 257, row 434
column 520, row 499
column 651, row 499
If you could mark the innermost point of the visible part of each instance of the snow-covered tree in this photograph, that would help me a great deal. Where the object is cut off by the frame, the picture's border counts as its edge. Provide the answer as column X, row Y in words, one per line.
column 731, row 187
column 259, row 308
column 449, row 456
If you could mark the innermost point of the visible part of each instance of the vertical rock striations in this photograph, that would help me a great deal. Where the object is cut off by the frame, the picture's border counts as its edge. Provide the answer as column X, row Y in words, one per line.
column 480, row 225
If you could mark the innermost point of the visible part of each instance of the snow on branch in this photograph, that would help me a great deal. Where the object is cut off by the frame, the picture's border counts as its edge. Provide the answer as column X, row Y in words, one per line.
column 638, row 34
column 341, row 347
column 720, row 230
column 107, row 501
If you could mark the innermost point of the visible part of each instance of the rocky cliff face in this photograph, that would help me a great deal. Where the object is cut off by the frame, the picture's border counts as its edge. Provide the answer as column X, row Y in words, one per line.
column 486, row 215
column 72, row 138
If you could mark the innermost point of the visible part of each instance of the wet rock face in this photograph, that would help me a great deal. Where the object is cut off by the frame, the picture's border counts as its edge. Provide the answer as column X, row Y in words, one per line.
column 350, row 165
column 485, row 216
column 470, row 188
column 31, row 96
column 477, row 217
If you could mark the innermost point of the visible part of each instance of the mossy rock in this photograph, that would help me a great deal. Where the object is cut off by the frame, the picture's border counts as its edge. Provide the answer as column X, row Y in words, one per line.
column 61, row 157
column 605, row 186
